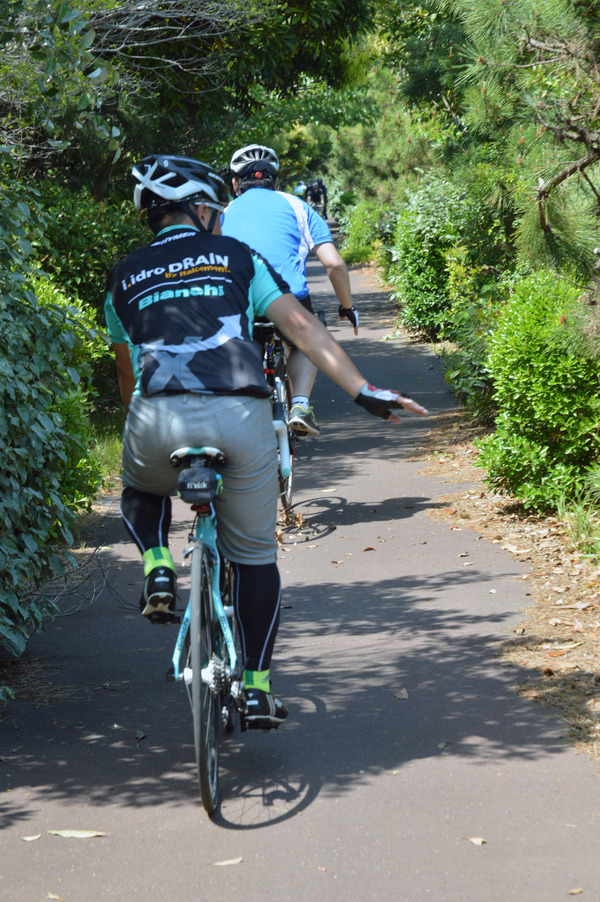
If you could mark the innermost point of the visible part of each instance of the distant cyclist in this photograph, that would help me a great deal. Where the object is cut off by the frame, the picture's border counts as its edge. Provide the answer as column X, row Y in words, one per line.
column 299, row 190
column 284, row 229
column 323, row 188
column 315, row 196
column 180, row 314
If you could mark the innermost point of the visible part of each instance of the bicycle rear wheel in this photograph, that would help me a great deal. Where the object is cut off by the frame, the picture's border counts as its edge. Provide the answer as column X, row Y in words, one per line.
column 206, row 712
column 228, row 702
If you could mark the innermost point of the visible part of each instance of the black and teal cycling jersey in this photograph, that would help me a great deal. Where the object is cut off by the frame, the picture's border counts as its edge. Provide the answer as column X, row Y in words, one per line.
column 185, row 304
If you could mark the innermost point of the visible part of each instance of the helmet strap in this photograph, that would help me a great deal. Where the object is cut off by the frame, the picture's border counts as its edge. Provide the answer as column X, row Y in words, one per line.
column 212, row 220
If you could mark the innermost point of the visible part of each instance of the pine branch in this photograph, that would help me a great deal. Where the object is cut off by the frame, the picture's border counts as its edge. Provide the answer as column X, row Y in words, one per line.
column 545, row 187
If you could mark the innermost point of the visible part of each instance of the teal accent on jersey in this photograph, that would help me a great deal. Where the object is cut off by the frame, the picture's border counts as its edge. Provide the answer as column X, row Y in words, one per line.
column 114, row 326
column 118, row 335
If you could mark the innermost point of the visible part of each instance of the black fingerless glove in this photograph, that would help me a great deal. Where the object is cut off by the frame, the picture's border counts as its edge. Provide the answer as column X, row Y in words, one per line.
column 351, row 313
column 379, row 401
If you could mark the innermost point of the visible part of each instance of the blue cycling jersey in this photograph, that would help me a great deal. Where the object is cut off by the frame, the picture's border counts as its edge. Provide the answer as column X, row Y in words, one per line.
column 281, row 228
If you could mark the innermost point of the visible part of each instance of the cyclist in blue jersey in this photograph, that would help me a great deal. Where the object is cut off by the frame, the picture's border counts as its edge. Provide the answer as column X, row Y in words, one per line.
column 180, row 313
column 299, row 189
column 284, row 229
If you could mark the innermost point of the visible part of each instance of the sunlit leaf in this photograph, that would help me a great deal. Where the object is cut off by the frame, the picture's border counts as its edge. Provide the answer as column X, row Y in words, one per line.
column 76, row 834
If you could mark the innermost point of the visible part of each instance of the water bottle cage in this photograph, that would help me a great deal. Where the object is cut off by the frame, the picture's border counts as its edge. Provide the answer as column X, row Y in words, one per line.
column 198, row 484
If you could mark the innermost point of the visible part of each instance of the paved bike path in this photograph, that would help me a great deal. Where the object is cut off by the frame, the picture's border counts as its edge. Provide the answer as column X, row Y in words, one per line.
column 405, row 740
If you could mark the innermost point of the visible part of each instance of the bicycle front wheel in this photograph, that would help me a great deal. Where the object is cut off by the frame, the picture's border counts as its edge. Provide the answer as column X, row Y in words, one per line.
column 206, row 712
column 286, row 483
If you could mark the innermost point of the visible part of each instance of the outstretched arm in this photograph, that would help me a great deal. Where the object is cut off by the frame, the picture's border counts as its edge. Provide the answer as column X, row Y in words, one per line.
column 308, row 334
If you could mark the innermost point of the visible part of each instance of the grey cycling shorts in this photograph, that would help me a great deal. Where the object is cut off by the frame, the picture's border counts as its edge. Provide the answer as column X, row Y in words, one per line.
column 242, row 427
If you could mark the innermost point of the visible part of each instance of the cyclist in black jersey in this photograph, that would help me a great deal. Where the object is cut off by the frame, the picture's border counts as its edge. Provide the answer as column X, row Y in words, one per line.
column 316, row 195
column 180, row 314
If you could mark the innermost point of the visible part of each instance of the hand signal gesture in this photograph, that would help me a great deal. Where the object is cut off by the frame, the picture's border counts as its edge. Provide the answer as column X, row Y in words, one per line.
column 350, row 313
column 381, row 402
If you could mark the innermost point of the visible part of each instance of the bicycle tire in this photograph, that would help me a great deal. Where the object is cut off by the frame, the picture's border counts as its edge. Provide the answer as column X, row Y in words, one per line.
column 228, row 705
column 286, row 483
column 206, row 712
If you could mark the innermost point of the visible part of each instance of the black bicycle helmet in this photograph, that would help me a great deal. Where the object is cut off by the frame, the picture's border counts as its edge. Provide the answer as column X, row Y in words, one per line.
column 165, row 180
column 246, row 157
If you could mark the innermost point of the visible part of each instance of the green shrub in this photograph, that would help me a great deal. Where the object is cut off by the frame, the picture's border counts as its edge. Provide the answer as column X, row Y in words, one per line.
column 476, row 296
column 466, row 368
column 362, row 233
column 46, row 474
column 548, row 397
column 85, row 239
column 415, row 263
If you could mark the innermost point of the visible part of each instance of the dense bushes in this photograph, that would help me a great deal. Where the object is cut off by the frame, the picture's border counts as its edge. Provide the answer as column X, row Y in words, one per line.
column 509, row 341
column 364, row 230
column 548, row 397
column 51, row 354
column 84, row 239
column 46, row 473
column 415, row 264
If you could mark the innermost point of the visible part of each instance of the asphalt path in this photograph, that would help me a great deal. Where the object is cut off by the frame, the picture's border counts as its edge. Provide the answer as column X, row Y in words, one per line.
column 408, row 768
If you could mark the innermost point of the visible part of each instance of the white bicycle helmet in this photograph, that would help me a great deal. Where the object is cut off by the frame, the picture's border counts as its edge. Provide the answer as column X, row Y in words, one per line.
column 254, row 153
column 170, row 180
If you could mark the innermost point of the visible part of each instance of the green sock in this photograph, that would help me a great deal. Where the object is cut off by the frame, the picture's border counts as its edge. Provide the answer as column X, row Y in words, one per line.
column 157, row 557
column 257, row 679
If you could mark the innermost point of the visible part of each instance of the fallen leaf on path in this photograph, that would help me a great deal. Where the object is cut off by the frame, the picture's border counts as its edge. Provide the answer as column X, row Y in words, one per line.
column 401, row 693
column 575, row 892
column 556, row 654
column 139, row 735
column 477, row 840
column 369, row 548
column 227, row 862
column 54, row 896
column 76, row 834
column 514, row 550
column 31, row 838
